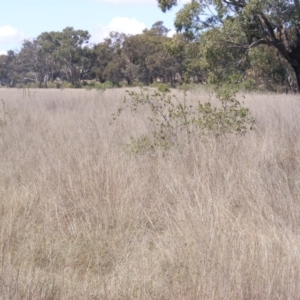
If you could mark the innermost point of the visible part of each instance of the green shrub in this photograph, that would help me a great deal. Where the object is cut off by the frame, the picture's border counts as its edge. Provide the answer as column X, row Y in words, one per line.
column 138, row 84
column 247, row 85
column 89, row 83
column 154, row 84
column 107, row 85
column 98, row 85
column 163, row 88
column 52, row 85
column 32, row 85
column 67, row 85
column 177, row 122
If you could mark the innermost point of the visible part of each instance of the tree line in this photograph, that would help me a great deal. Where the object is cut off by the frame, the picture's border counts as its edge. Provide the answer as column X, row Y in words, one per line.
column 67, row 56
column 253, row 43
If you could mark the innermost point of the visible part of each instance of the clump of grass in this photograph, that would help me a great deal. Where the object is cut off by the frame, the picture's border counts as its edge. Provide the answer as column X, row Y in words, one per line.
column 6, row 118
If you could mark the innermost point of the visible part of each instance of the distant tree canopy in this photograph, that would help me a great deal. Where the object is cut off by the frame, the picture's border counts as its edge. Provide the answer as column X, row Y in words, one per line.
column 230, row 31
column 68, row 56
column 252, row 43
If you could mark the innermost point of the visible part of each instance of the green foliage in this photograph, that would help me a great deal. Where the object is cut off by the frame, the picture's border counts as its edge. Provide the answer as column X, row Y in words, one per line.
column 247, row 85
column 99, row 86
column 55, row 54
column 187, row 19
column 166, row 4
column 31, row 85
column 161, row 87
column 154, row 84
column 219, row 61
column 52, row 85
column 228, row 31
column 67, row 85
column 231, row 117
column 146, row 57
column 215, row 39
column 137, row 84
column 174, row 121
column 268, row 70
column 164, row 88
column 104, row 86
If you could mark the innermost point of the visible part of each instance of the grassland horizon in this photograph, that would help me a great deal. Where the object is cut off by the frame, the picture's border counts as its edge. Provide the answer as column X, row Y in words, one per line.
column 83, row 218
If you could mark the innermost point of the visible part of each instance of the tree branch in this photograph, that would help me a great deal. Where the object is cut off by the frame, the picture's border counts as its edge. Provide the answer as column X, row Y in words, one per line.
column 274, row 41
column 265, row 23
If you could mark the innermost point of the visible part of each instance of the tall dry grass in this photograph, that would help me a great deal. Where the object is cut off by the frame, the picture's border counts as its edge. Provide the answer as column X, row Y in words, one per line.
column 81, row 218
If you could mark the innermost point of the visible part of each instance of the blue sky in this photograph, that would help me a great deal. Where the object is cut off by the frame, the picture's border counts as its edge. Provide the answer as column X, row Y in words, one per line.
column 26, row 19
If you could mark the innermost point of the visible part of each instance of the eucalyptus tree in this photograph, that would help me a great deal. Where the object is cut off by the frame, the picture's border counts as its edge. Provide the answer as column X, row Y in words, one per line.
column 104, row 54
column 240, row 26
column 114, row 71
column 76, row 59
column 64, row 54
column 8, row 64
column 34, row 62
column 113, row 58
column 146, row 55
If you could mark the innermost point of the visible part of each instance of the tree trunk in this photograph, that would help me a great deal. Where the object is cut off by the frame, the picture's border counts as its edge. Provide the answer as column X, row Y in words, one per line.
column 297, row 72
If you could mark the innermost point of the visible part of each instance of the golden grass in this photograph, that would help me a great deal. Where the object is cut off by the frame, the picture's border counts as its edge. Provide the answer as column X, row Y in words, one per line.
column 81, row 218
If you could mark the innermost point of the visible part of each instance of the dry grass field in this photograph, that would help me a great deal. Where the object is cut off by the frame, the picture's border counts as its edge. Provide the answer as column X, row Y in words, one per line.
column 82, row 218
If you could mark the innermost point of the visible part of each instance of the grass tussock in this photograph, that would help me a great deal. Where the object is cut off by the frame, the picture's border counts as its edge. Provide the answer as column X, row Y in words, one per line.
column 81, row 218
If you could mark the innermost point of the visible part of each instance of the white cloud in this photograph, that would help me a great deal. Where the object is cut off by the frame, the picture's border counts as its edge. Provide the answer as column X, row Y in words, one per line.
column 171, row 33
column 119, row 24
column 10, row 34
column 10, row 38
